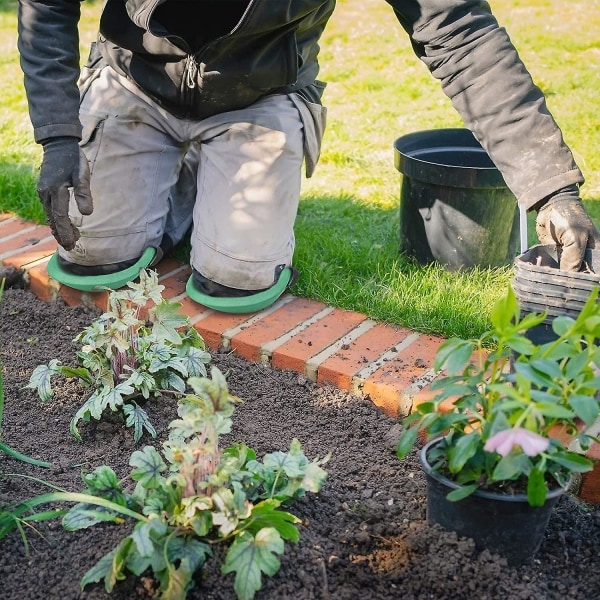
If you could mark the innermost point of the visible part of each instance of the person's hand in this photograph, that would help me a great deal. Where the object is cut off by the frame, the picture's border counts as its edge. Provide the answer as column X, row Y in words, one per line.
column 64, row 171
column 563, row 221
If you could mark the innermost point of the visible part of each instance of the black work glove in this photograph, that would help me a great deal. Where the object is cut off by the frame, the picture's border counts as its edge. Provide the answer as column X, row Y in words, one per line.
column 563, row 221
column 64, row 170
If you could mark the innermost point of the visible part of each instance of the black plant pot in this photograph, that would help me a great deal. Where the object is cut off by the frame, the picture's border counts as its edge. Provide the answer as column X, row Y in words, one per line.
column 455, row 207
column 503, row 524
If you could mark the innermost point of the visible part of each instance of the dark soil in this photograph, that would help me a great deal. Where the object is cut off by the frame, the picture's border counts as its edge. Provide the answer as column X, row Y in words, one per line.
column 364, row 537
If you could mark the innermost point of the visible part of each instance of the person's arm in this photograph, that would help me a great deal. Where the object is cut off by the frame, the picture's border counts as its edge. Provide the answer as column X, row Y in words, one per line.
column 480, row 70
column 48, row 43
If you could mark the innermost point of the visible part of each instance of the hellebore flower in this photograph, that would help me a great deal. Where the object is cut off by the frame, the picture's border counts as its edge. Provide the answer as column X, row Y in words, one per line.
column 530, row 442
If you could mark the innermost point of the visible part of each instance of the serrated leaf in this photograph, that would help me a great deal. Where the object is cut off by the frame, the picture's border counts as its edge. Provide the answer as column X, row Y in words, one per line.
column 137, row 417
column 314, row 476
column 190, row 555
column 171, row 381
column 142, row 538
column 228, row 509
column 573, row 461
column 91, row 408
column 40, row 380
column 464, row 449
column 250, row 556
column 148, row 465
column 195, row 361
column 103, row 481
column 285, row 462
column 167, row 320
column 113, row 398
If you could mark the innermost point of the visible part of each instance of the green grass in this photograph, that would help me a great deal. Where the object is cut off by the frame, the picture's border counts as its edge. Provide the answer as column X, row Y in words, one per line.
column 347, row 226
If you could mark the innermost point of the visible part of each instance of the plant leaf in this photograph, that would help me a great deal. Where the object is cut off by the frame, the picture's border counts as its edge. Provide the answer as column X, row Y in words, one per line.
column 196, row 361
column 99, row 571
column 167, row 320
column 148, row 465
column 40, row 379
column 83, row 516
column 265, row 514
column 137, row 417
column 573, row 461
column 585, row 407
column 407, row 441
column 510, row 466
column 454, row 355
column 250, row 556
column 461, row 492
column 536, row 488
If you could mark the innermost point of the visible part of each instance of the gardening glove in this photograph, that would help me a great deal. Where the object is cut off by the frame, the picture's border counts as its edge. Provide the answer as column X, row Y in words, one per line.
column 563, row 221
column 64, row 171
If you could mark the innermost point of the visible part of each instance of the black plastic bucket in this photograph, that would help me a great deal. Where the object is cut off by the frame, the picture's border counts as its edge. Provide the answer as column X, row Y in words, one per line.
column 455, row 207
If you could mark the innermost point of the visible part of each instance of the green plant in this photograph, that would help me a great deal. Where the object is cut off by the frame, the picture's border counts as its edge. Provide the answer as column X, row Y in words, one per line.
column 140, row 347
column 189, row 498
column 517, row 408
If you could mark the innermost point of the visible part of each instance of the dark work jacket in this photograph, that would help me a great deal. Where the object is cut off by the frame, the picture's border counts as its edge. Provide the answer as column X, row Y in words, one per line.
column 274, row 49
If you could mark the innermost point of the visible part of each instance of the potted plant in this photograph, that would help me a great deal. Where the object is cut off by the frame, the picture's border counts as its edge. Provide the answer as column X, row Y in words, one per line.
column 507, row 430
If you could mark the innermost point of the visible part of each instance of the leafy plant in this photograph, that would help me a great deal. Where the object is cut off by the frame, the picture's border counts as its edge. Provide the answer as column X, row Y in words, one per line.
column 140, row 347
column 515, row 409
column 193, row 496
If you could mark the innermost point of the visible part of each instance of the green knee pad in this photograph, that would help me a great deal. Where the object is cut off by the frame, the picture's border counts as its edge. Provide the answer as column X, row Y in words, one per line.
column 244, row 304
column 97, row 283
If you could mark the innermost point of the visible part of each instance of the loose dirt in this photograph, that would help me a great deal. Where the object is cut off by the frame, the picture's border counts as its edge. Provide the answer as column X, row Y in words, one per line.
column 364, row 537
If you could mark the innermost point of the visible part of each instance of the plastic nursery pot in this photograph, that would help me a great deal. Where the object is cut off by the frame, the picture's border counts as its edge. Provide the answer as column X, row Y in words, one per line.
column 540, row 286
column 455, row 207
column 503, row 524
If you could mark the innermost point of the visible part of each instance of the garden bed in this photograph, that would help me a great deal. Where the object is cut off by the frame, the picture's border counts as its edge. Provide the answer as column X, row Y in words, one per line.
column 363, row 536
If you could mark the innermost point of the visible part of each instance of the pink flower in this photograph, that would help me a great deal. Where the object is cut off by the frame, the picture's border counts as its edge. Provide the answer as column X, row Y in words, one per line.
column 503, row 442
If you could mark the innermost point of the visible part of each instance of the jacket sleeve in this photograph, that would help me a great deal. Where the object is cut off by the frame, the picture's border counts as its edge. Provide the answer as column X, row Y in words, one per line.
column 463, row 46
column 48, row 42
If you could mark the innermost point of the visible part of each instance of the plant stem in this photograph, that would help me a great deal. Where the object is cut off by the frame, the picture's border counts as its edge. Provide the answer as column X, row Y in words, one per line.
column 23, row 457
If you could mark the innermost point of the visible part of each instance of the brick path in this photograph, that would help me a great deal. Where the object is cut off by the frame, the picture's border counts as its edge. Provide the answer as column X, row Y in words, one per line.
column 390, row 365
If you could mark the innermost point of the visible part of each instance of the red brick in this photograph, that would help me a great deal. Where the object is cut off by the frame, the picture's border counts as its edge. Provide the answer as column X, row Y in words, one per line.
column 40, row 284
column 212, row 326
column 10, row 226
column 30, row 254
column 248, row 342
column 294, row 353
column 345, row 364
column 386, row 385
column 175, row 284
column 29, row 238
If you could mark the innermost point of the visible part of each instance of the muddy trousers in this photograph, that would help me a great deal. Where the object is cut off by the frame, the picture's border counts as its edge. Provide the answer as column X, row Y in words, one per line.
column 234, row 177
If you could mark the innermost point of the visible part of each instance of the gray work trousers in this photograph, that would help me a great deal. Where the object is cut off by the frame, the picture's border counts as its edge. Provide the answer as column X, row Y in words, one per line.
column 236, row 176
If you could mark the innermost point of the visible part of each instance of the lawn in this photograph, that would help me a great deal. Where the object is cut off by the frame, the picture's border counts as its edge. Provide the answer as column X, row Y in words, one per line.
column 347, row 227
